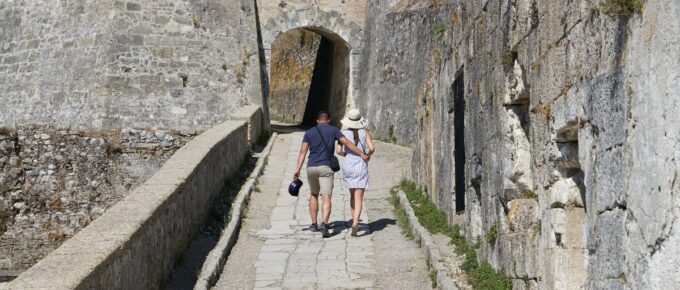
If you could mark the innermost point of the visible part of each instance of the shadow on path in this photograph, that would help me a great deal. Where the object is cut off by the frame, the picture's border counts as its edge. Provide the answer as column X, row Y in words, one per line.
column 337, row 227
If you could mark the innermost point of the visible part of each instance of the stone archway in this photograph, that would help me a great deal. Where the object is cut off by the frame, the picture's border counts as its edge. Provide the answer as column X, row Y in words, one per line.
column 309, row 73
column 338, row 22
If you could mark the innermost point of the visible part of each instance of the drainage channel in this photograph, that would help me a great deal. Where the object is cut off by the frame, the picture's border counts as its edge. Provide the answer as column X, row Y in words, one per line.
column 209, row 247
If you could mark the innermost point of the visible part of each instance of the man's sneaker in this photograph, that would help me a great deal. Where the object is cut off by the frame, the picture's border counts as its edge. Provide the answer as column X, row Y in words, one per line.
column 313, row 228
column 324, row 230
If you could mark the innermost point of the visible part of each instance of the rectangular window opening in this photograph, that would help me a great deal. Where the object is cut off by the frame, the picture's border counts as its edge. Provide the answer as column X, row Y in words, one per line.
column 458, row 92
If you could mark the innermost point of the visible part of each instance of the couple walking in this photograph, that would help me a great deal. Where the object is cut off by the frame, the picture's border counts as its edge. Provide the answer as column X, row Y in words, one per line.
column 356, row 144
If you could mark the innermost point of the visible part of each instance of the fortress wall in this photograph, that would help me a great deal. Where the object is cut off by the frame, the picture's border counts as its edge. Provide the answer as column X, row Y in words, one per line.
column 113, row 64
column 570, row 147
column 136, row 243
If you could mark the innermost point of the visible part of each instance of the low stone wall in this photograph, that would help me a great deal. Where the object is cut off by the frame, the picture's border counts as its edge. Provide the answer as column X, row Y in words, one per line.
column 257, row 123
column 56, row 181
column 136, row 243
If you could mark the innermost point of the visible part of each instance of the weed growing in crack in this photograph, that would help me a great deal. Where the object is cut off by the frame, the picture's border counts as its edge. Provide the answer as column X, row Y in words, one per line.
column 492, row 234
column 400, row 214
column 5, row 131
column 433, row 277
column 439, row 30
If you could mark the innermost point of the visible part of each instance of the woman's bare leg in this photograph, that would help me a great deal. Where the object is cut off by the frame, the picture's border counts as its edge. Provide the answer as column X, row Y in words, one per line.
column 351, row 201
column 358, row 197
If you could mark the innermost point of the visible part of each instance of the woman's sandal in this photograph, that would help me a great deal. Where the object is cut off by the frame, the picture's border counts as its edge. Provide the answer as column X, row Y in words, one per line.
column 354, row 231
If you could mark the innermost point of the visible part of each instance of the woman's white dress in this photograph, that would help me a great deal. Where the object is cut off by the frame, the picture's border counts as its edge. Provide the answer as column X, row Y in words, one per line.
column 355, row 169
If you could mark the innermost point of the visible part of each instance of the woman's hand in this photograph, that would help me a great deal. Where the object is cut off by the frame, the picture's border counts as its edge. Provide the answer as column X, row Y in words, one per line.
column 339, row 150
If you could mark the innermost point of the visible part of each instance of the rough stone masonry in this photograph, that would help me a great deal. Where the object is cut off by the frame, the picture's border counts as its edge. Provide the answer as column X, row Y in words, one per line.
column 96, row 95
column 550, row 122
column 571, row 138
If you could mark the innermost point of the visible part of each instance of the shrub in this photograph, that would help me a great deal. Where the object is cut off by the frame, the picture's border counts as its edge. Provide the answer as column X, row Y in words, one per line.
column 492, row 234
column 623, row 8
column 400, row 215
column 5, row 131
column 485, row 277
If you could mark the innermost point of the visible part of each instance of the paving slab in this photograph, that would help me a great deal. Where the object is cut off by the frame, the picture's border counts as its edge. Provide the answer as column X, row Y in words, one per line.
column 283, row 254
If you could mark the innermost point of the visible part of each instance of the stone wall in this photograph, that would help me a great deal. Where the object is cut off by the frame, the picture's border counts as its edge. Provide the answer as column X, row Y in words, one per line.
column 114, row 64
column 341, row 21
column 293, row 58
column 137, row 242
column 55, row 182
column 570, row 144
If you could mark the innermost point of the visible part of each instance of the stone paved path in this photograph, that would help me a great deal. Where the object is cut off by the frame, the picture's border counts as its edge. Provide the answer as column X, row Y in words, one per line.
column 284, row 255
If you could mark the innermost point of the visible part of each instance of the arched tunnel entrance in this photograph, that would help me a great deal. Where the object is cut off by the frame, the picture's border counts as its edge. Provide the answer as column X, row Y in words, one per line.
column 309, row 73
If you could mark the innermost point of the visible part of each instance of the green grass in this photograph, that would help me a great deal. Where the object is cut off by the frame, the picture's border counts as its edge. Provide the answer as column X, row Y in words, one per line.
column 485, row 277
column 400, row 215
column 434, row 220
column 623, row 8
column 433, row 277
column 557, row 204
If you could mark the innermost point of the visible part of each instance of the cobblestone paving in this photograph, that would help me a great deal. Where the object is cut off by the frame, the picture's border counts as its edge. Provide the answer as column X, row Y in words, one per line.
column 290, row 257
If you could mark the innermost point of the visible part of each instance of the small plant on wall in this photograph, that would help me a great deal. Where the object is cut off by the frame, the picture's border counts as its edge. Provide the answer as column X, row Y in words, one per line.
column 439, row 30
column 622, row 7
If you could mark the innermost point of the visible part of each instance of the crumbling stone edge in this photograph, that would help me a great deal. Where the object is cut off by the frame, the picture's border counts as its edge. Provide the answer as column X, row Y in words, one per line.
column 423, row 236
column 214, row 263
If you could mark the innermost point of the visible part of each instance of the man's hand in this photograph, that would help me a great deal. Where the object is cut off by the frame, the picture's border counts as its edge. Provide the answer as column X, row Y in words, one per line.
column 366, row 157
column 301, row 160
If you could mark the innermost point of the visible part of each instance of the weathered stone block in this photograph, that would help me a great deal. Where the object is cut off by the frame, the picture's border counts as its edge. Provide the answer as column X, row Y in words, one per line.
column 523, row 214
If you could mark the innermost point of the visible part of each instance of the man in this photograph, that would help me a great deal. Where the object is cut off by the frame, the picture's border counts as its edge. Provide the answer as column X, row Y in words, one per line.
column 319, row 172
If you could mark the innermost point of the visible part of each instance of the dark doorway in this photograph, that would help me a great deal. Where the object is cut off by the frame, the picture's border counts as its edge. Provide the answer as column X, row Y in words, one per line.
column 309, row 73
column 322, row 78
column 458, row 91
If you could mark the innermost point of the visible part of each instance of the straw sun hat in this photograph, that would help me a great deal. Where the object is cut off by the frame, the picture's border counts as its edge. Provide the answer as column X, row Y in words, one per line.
column 354, row 120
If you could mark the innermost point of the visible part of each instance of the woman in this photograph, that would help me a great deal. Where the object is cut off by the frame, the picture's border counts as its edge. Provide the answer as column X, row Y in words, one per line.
column 355, row 169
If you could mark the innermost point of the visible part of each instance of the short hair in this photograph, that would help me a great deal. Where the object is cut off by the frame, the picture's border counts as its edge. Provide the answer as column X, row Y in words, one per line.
column 323, row 115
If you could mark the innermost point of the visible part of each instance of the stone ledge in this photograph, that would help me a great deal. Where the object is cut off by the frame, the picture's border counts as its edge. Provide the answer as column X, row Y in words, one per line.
column 214, row 263
column 135, row 244
column 423, row 236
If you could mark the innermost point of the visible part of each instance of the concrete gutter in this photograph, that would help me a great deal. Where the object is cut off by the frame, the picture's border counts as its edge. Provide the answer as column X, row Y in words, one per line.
column 214, row 263
column 423, row 236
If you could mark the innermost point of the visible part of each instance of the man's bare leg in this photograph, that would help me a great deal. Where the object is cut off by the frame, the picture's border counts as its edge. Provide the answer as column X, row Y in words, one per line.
column 326, row 207
column 314, row 206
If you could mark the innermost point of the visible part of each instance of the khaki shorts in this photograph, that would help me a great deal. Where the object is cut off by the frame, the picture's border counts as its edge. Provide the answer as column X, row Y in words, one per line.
column 320, row 179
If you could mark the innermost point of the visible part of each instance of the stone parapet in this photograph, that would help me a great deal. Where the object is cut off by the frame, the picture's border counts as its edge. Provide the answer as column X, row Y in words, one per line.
column 136, row 243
